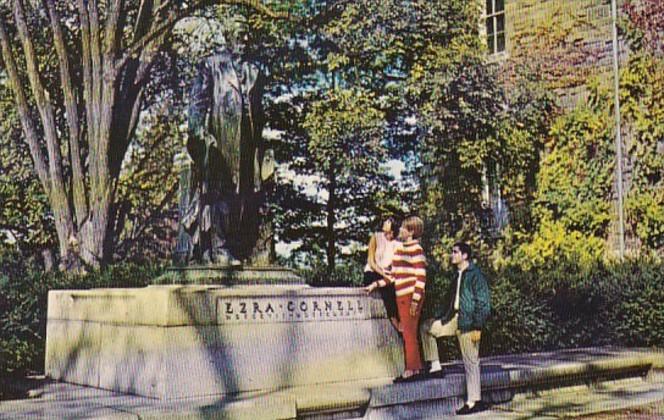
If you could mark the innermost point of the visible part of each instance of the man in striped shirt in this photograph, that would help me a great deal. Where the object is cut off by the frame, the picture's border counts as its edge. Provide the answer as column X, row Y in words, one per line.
column 408, row 276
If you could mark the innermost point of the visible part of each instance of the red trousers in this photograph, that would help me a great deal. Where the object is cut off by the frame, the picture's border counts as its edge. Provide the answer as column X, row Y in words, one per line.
column 409, row 327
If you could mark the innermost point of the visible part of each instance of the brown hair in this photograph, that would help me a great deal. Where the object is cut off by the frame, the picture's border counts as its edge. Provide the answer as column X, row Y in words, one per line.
column 415, row 225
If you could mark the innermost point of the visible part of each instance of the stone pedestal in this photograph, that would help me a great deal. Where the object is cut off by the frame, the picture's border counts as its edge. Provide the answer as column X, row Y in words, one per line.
column 171, row 341
column 232, row 275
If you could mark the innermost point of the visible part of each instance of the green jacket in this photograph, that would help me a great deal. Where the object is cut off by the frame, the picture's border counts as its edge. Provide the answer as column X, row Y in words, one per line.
column 474, row 300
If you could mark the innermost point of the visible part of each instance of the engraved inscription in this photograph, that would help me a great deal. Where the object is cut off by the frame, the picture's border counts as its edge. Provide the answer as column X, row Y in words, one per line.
column 298, row 309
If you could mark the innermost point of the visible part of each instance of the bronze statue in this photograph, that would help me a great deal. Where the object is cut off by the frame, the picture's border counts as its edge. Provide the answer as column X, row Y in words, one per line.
column 224, row 213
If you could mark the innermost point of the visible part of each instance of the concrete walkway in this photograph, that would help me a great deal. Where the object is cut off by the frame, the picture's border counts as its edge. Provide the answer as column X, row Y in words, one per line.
column 537, row 385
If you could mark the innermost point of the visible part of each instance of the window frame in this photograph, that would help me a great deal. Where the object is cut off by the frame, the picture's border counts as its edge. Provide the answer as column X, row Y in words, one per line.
column 492, row 16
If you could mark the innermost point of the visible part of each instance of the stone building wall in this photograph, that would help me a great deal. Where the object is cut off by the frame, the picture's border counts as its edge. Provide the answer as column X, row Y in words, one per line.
column 572, row 42
column 579, row 35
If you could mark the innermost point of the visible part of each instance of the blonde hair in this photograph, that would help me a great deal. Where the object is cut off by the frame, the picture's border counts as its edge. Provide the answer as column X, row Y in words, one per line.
column 415, row 225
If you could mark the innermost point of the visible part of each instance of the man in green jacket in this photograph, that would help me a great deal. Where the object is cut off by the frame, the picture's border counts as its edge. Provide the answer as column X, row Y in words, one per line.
column 467, row 313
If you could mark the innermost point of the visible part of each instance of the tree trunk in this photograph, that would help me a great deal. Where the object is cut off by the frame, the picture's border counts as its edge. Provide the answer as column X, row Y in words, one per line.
column 114, row 69
column 49, row 168
column 331, row 220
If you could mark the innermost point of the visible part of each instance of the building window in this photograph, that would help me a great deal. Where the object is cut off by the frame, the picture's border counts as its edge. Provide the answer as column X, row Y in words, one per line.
column 495, row 26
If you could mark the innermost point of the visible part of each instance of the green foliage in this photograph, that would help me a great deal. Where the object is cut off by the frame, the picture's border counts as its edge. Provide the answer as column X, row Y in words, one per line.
column 573, row 205
column 523, row 133
column 147, row 186
column 345, row 274
column 574, row 182
column 343, row 154
column 645, row 214
column 345, row 130
column 24, row 211
column 554, row 244
column 335, row 118
column 520, row 322
column 636, row 310
column 565, row 307
column 23, row 296
column 642, row 104
column 457, row 100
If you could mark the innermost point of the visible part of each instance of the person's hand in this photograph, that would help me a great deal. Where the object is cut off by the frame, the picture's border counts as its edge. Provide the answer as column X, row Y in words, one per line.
column 475, row 336
column 370, row 288
column 413, row 309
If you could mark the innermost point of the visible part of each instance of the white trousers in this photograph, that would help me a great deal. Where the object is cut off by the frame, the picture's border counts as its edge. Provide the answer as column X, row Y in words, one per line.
column 431, row 329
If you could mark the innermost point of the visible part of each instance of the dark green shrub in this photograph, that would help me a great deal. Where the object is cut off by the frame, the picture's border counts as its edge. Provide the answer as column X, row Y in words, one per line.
column 635, row 314
column 520, row 319
column 566, row 307
column 616, row 304
column 343, row 275
column 23, row 298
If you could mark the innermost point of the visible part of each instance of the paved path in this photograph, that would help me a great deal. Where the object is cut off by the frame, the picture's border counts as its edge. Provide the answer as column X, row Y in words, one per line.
column 537, row 385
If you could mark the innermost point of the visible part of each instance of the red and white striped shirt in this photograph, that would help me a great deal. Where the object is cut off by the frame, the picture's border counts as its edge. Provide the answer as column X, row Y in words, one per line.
column 408, row 271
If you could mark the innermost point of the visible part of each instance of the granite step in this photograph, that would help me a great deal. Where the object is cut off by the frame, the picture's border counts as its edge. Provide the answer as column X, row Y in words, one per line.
column 506, row 377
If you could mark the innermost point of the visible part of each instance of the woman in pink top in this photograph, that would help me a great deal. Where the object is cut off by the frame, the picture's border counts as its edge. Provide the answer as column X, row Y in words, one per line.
column 382, row 246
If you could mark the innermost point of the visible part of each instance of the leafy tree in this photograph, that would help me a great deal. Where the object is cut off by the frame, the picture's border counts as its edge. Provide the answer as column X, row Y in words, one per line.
column 318, row 105
column 457, row 102
column 345, row 133
column 459, row 142
column 425, row 63
column 79, row 107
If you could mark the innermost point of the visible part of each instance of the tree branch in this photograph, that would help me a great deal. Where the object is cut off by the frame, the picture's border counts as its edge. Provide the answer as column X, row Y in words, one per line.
column 78, row 177
column 96, row 98
column 143, row 19
column 135, row 113
column 126, row 244
column 109, row 76
column 43, row 103
column 112, row 29
column 87, row 65
column 58, row 197
column 175, row 17
column 29, row 130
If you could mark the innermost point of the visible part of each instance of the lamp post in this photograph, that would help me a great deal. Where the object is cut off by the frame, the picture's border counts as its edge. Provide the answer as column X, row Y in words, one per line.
column 616, row 107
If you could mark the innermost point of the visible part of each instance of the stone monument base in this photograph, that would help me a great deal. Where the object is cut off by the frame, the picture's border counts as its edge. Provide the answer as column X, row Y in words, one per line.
column 186, row 341
column 231, row 275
